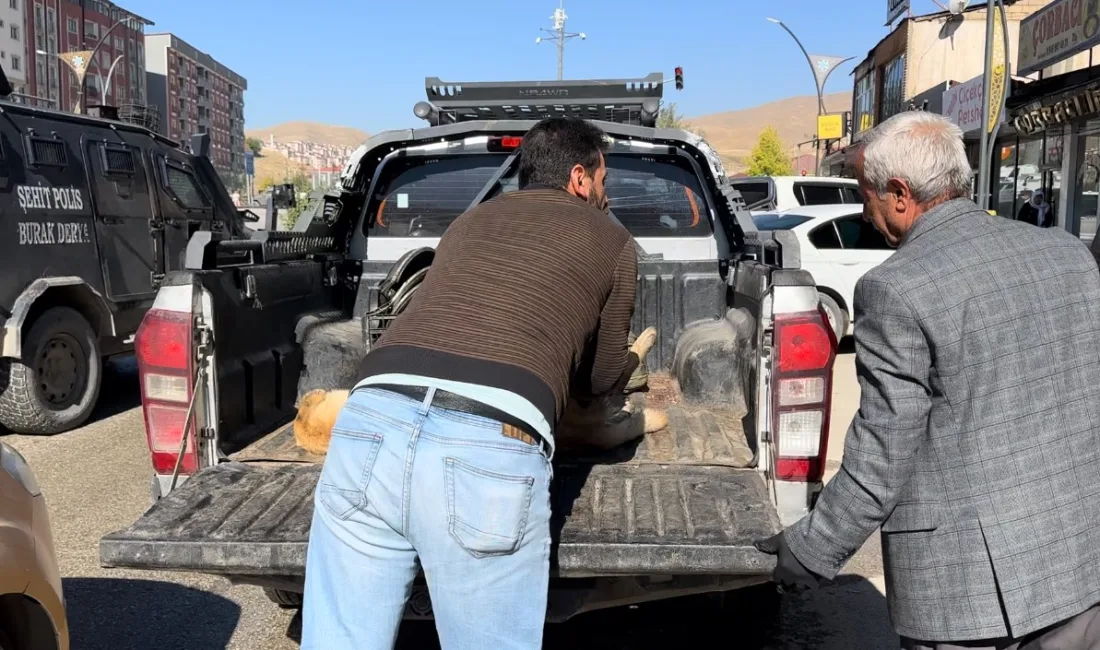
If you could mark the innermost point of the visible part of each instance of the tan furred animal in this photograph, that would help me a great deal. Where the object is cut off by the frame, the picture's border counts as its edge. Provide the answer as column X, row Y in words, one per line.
column 606, row 423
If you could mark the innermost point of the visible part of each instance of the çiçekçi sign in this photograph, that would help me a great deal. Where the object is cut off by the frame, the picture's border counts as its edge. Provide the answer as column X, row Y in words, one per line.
column 1056, row 32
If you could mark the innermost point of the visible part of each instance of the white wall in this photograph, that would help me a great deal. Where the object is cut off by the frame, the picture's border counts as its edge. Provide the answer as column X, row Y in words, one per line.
column 12, row 47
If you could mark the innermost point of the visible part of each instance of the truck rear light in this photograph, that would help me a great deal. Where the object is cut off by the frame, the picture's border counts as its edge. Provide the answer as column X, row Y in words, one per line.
column 801, row 390
column 166, row 371
column 802, row 395
column 166, row 388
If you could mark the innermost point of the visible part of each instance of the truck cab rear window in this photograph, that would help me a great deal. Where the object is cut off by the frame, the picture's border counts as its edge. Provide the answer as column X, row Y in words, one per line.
column 651, row 197
column 424, row 198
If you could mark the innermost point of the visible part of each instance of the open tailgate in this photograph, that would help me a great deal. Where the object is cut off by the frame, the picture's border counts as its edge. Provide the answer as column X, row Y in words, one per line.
column 253, row 519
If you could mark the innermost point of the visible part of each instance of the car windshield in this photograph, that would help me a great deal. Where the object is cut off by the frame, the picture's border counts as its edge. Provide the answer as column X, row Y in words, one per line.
column 772, row 221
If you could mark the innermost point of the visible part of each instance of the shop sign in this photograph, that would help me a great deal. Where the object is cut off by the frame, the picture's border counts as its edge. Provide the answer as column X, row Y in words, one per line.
column 1056, row 32
column 962, row 104
column 830, row 127
column 895, row 8
column 1081, row 103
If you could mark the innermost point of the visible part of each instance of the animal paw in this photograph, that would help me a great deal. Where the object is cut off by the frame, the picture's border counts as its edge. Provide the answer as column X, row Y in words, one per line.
column 654, row 419
column 644, row 343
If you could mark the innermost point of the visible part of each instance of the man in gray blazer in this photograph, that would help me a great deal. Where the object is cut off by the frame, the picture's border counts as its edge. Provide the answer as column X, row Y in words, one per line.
column 976, row 448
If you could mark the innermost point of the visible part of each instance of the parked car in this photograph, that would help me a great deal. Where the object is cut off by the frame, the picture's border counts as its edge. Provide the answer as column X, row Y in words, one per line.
column 789, row 192
column 838, row 246
column 32, row 606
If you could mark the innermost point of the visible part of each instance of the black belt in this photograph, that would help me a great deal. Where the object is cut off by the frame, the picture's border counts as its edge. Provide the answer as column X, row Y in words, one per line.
column 454, row 402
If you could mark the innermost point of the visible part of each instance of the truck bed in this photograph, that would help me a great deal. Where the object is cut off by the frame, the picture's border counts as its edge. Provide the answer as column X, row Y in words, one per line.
column 679, row 502
column 694, row 436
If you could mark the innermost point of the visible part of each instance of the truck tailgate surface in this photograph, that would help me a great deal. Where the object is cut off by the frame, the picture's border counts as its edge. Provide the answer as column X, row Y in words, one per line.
column 253, row 519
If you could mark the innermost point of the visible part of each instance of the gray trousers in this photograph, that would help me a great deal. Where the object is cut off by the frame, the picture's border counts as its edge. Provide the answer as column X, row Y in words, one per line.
column 1082, row 632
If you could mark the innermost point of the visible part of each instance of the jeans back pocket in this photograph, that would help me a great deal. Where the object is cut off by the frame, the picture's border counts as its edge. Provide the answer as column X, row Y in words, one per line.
column 349, row 463
column 486, row 511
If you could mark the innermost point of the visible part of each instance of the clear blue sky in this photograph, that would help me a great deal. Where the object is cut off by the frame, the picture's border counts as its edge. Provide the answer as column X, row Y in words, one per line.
column 362, row 63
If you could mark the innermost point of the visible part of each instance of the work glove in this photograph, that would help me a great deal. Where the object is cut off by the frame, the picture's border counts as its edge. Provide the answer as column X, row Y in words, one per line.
column 789, row 573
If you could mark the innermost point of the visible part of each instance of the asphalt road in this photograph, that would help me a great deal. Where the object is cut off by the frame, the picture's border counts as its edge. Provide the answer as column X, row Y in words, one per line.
column 96, row 480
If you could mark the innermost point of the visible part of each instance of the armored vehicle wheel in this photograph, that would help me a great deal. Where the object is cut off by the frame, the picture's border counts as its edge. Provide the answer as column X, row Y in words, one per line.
column 283, row 598
column 54, row 387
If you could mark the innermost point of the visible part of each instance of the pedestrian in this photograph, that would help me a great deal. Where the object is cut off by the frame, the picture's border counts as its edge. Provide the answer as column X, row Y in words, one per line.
column 441, row 457
column 976, row 447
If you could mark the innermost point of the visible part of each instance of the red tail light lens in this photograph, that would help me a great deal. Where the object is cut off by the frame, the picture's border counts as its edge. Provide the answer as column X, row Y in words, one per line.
column 165, row 368
column 802, row 395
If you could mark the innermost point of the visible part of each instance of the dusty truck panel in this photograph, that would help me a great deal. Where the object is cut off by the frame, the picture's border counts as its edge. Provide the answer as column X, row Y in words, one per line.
column 278, row 314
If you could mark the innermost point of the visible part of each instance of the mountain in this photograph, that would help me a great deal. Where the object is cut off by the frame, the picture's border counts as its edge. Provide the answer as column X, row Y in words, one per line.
column 273, row 167
column 337, row 136
column 734, row 133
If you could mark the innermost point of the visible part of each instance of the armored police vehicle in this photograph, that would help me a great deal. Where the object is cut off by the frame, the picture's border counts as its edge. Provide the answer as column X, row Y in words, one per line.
column 95, row 212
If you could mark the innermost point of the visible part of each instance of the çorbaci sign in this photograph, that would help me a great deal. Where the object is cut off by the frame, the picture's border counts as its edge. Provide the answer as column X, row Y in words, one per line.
column 41, row 197
column 1055, row 32
column 1074, row 104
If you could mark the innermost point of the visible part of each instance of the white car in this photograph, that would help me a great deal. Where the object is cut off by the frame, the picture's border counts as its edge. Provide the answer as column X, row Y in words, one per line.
column 789, row 192
column 837, row 246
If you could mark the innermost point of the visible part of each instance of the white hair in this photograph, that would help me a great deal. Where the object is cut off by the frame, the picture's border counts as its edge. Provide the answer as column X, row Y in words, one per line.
column 923, row 149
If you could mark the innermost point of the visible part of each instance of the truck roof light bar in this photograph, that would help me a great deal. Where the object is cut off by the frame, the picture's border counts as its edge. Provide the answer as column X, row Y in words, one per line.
column 623, row 101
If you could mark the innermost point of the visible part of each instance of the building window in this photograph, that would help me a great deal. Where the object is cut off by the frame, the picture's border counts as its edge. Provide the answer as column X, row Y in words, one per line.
column 15, row 32
column 74, row 26
column 16, row 63
column 893, row 87
column 864, row 118
column 14, row 4
column 91, row 29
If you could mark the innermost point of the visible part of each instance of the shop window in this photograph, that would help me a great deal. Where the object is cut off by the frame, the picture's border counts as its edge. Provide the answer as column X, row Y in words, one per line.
column 893, row 87
column 864, row 118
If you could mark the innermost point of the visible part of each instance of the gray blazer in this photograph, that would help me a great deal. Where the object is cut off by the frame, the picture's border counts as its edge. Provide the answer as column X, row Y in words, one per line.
column 976, row 447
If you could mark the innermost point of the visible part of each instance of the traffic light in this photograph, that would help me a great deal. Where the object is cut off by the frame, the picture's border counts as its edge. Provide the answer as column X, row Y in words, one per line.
column 679, row 78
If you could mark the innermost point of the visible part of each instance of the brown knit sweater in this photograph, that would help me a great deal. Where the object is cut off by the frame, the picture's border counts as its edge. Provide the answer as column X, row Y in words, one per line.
column 531, row 292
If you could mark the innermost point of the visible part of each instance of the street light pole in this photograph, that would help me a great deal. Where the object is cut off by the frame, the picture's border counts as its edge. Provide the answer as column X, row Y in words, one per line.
column 91, row 57
column 821, row 72
column 110, row 73
column 49, row 95
column 559, row 36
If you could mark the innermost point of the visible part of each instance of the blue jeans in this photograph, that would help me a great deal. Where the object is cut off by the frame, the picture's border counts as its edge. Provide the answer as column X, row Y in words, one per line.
column 404, row 485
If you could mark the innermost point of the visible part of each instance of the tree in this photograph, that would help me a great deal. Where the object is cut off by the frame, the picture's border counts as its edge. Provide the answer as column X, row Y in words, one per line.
column 255, row 144
column 768, row 157
column 669, row 118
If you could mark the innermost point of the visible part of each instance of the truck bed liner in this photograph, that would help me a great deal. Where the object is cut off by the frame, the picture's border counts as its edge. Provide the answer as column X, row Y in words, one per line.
column 694, row 436
column 253, row 519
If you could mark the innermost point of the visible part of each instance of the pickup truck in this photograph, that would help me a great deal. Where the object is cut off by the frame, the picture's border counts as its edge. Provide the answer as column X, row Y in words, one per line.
column 743, row 365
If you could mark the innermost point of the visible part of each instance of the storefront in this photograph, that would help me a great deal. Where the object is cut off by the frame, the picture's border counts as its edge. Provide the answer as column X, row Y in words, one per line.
column 1056, row 150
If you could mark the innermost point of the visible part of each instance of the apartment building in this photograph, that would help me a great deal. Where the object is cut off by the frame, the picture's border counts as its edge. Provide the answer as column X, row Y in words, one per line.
column 196, row 94
column 116, row 73
column 13, row 46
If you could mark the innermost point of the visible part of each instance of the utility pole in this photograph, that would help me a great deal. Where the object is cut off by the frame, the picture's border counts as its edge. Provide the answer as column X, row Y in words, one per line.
column 995, row 79
column 559, row 36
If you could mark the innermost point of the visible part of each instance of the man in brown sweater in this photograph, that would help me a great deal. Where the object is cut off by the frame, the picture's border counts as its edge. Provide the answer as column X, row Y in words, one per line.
column 441, row 456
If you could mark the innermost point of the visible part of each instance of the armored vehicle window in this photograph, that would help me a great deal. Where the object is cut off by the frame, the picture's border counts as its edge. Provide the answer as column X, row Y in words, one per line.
column 421, row 199
column 183, row 185
column 44, row 151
